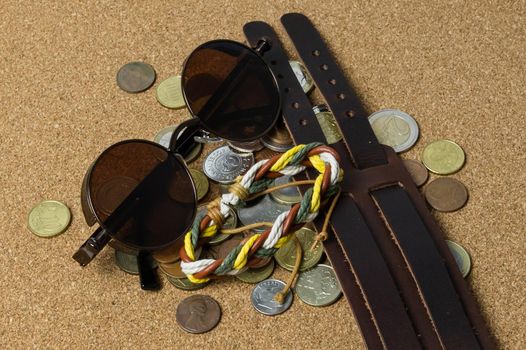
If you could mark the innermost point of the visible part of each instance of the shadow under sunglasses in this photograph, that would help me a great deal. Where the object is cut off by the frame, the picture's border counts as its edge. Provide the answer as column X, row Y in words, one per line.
column 140, row 193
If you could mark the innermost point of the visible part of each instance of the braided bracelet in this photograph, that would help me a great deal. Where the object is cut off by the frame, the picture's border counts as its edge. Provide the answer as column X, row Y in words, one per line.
column 262, row 245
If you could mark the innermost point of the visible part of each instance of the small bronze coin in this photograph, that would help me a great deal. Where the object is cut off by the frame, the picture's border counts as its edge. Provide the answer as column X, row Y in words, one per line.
column 417, row 170
column 198, row 313
column 172, row 269
column 135, row 77
column 220, row 251
column 170, row 254
column 278, row 139
column 446, row 194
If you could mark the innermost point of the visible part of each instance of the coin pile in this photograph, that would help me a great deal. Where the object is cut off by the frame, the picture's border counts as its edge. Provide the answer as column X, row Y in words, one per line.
column 442, row 157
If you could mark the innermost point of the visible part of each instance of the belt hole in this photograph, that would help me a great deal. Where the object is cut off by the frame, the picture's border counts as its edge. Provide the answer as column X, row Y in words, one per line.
column 324, row 67
column 273, row 62
column 350, row 114
column 332, row 81
column 341, row 96
column 280, row 76
column 286, row 89
column 296, row 105
column 316, row 53
column 303, row 122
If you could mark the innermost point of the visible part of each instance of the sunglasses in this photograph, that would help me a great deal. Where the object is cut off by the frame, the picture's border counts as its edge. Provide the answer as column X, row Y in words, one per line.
column 141, row 193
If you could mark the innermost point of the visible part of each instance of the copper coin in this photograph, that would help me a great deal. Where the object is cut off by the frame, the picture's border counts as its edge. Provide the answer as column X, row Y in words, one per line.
column 198, row 313
column 170, row 254
column 173, row 270
column 135, row 77
column 417, row 170
column 446, row 194
column 220, row 251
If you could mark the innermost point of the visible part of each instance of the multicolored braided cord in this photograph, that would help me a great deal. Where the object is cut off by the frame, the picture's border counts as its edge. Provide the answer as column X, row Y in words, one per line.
column 258, row 178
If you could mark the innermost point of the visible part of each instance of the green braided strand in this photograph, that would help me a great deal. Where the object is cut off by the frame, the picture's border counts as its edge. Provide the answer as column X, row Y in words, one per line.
column 228, row 263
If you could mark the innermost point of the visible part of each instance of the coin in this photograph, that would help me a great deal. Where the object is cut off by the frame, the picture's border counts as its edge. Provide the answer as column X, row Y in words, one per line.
column 446, row 194
column 185, row 284
column 170, row 254
column 198, row 314
column 169, row 92
column 201, row 183
column 220, row 251
column 49, row 218
column 318, row 286
column 443, row 157
column 461, row 257
column 288, row 195
column 278, row 138
column 302, row 75
column 164, row 136
column 257, row 275
column 286, row 255
column 230, row 222
column 223, row 165
column 173, row 270
column 263, row 297
column 251, row 146
column 135, row 77
column 264, row 210
column 328, row 124
column 417, row 171
column 127, row 262
column 394, row 128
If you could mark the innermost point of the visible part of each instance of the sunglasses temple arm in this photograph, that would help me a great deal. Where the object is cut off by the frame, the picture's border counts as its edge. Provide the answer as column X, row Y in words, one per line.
column 183, row 136
column 92, row 246
column 148, row 277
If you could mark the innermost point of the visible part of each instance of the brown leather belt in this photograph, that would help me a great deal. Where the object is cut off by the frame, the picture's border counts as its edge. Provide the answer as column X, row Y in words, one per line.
column 388, row 253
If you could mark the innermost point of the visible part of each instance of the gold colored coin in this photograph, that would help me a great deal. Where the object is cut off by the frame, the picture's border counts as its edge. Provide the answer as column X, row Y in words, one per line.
column 461, row 257
column 286, row 255
column 201, row 183
column 443, row 157
column 257, row 275
column 328, row 124
column 185, row 284
column 169, row 93
column 49, row 218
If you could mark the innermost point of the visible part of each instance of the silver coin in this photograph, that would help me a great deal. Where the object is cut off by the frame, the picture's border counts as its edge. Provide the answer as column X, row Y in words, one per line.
column 263, row 297
column 275, row 146
column 302, row 75
column 288, row 195
column 164, row 136
column 223, row 165
column 394, row 128
column 265, row 210
column 251, row 146
column 318, row 286
column 230, row 222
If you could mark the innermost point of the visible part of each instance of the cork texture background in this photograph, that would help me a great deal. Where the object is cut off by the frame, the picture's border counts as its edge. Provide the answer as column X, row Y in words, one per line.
column 457, row 66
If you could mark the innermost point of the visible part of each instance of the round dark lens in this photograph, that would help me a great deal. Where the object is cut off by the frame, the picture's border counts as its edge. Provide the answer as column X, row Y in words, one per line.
column 142, row 194
column 231, row 90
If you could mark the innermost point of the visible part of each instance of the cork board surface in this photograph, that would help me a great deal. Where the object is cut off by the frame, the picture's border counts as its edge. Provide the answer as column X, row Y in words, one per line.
column 457, row 67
